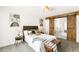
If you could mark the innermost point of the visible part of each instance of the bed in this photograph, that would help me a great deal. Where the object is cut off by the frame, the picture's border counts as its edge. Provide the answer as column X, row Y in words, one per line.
column 36, row 41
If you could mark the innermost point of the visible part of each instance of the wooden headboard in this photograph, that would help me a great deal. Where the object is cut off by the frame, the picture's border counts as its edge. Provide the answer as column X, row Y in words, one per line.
column 28, row 28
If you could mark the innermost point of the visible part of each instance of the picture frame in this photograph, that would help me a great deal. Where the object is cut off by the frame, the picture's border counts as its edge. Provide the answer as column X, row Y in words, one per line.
column 14, row 20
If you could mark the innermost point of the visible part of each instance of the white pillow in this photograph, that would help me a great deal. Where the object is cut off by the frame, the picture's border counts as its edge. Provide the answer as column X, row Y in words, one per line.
column 27, row 32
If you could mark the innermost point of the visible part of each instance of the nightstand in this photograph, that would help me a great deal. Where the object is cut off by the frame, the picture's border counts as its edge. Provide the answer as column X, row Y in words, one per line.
column 18, row 39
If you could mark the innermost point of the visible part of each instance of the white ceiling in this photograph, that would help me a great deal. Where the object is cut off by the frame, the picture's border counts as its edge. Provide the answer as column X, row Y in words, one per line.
column 39, row 10
column 56, row 10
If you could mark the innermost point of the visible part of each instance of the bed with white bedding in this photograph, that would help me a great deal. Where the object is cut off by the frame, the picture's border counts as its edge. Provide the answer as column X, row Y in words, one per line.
column 37, row 41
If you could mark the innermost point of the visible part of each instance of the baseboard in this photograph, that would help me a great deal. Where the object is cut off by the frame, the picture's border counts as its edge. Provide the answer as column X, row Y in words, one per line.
column 6, row 45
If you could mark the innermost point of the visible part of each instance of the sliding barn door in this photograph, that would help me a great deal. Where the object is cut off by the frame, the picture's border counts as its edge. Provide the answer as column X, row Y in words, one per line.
column 71, row 28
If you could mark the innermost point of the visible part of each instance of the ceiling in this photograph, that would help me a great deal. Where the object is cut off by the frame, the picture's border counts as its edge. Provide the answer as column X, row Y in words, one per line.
column 39, row 11
column 56, row 10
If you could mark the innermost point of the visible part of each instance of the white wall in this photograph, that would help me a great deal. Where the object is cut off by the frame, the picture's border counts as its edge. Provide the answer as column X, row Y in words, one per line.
column 7, row 33
column 30, row 15
column 77, row 28
column 46, row 26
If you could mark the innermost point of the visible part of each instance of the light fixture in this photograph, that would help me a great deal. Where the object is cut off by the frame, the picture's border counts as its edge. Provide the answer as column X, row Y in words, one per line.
column 48, row 8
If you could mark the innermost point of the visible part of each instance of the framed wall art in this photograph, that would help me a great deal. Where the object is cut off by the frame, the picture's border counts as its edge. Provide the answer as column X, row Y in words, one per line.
column 14, row 20
column 41, row 22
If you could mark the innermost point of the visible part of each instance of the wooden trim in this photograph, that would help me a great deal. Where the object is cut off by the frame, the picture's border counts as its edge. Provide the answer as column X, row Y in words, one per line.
column 51, row 27
column 63, row 15
column 49, row 18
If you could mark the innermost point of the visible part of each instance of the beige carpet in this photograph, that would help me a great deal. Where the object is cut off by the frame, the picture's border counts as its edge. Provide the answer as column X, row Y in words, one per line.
column 21, row 47
column 67, row 46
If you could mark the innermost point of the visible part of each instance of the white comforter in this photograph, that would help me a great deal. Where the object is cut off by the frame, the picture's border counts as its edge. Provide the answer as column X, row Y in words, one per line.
column 35, row 41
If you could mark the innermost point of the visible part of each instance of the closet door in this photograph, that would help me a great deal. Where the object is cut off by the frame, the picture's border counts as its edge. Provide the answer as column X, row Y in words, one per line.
column 71, row 28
